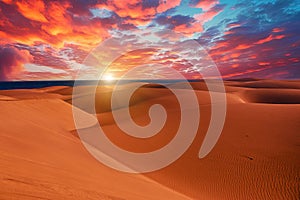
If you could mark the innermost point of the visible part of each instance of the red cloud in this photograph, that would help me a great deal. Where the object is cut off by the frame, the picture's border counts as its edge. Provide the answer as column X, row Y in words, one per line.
column 32, row 10
column 166, row 5
column 232, row 25
column 12, row 61
column 131, row 59
column 54, row 23
column 189, row 30
column 209, row 14
column 49, row 22
column 270, row 38
column 206, row 4
column 242, row 73
column 277, row 30
column 135, row 12
column 263, row 63
column 243, row 46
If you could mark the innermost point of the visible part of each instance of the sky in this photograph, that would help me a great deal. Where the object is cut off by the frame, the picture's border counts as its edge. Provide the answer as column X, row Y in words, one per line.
column 54, row 40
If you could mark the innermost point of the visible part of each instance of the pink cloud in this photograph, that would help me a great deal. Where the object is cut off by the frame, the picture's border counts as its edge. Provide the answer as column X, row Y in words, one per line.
column 209, row 14
column 270, row 38
column 12, row 61
column 206, row 4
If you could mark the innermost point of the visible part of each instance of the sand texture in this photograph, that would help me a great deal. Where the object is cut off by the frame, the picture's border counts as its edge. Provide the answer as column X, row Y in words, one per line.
column 256, row 157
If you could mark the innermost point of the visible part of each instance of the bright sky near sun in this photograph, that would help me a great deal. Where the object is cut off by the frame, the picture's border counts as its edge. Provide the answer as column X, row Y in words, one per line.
column 49, row 40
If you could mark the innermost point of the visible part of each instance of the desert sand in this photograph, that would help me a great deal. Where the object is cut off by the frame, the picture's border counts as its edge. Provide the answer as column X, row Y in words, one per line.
column 256, row 157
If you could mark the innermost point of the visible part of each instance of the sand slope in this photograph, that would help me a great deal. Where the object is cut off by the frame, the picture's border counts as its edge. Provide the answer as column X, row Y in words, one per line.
column 257, row 156
column 40, row 159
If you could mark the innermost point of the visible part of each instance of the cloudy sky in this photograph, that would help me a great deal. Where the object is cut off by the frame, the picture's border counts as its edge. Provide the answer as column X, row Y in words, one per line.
column 51, row 40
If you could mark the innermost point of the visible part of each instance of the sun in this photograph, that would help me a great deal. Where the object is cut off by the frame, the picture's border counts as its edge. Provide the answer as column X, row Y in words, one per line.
column 108, row 77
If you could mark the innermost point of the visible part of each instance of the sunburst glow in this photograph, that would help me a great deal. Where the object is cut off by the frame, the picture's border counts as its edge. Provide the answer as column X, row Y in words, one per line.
column 108, row 77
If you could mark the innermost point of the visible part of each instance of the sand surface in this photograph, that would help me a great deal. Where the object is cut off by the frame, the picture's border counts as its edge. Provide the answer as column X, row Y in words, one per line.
column 256, row 157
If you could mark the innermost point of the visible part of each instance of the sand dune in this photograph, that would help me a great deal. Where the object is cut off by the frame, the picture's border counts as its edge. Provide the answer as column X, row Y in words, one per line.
column 266, row 84
column 30, row 94
column 6, row 98
column 256, row 157
column 40, row 159
column 273, row 96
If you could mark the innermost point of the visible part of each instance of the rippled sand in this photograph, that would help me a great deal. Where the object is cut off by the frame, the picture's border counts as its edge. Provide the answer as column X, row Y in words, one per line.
column 256, row 157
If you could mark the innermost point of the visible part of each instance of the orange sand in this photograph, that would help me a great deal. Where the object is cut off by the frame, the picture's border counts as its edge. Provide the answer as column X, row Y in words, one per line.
column 256, row 157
